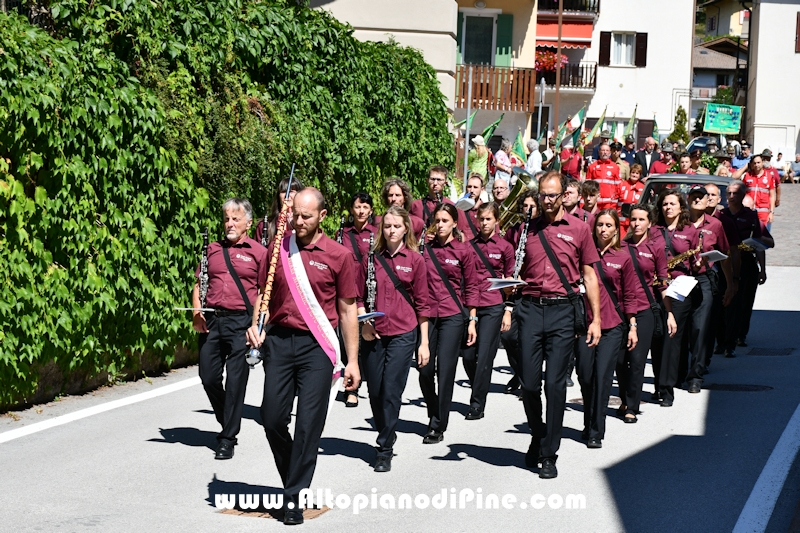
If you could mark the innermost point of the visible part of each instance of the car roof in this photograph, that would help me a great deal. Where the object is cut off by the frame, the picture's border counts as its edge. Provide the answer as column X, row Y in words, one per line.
column 689, row 178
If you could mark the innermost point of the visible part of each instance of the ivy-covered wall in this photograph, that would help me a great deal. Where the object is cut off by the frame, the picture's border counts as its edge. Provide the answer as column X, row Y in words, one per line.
column 124, row 125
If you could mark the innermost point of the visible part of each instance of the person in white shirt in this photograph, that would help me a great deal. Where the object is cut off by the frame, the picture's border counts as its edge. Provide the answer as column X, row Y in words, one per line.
column 534, row 163
column 547, row 155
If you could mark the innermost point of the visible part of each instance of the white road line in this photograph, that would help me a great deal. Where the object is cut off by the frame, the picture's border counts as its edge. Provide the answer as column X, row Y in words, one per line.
column 97, row 409
column 759, row 506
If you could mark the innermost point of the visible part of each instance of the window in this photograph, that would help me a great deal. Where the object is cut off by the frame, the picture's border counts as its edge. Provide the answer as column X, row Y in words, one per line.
column 723, row 79
column 478, row 40
column 623, row 49
column 484, row 37
column 797, row 36
column 711, row 24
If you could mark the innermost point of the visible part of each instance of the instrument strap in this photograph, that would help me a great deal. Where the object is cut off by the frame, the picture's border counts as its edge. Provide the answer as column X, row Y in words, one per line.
column 556, row 266
column 354, row 242
column 446, row 281
column 638, row 270
column 668, row 241
column 236, row 280
column 483, row 258
column 471, row 224
column 610, row 290
column 398, row 285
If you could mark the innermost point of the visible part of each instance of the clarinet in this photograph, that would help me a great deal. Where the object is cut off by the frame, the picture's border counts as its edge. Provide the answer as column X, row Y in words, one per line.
column 265, row 234
column 431, row 229
column 371, row 283
column 519, row 255
column 340, row 235
column 204, row 270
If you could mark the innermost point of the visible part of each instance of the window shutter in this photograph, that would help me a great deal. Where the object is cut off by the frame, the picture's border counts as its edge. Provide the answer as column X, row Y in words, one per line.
column 797, row 36
column 605, row 49
column 459, row 38
column 641, row 50
column 502, row 53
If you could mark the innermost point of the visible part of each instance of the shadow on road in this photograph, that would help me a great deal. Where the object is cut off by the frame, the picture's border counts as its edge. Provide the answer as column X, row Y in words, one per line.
column 347, row 448
column 486, row 454
column 188, row 437
column 218, row 486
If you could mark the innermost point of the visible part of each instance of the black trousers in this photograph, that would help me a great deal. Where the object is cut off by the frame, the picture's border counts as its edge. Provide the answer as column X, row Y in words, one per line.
column 296, row 363
column 224, row 346
column 545, row 333
column 748, row 285
column 479, row 358
column 388, row 361
column 444, row 339
column 510, row 340
column 699, row 330
column 630, row 368
column 595, row 368
column 666, row 354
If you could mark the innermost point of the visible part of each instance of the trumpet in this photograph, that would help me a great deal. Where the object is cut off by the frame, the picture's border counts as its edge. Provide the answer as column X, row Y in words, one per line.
column 508, row 212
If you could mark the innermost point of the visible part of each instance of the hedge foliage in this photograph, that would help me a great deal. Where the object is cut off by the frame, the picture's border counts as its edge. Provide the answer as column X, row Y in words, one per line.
column 125, row 124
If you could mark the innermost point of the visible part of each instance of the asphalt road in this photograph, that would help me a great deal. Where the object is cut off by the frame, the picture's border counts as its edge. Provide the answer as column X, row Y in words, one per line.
column 149, row 466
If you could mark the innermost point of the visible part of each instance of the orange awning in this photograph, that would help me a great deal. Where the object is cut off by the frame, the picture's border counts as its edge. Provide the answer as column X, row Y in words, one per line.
column 574, row 34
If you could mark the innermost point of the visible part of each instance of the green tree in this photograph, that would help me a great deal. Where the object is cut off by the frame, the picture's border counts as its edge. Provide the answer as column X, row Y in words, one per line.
column 679, row 132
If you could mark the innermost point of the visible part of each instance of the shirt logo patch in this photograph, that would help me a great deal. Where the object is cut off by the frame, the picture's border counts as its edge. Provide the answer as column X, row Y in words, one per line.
column 707, row 232
column 643, row 254
column 403, row 269
column 614, row 265
column 320, row 266
column 495, row 256
column 244, row 257
column 565, row 237
column 679, row 236
column 452, row 262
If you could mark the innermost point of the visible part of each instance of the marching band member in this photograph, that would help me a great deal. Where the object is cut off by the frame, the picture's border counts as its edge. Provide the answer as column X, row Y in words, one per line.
column 275, row 208
column 649, row 259
column 313, row 291
column 494, row 257
column 618, row 294
column 237, row 271
column 681, row 243
column 551, row 313
column 468, row 220
column 424, row 207
column 400, row 291
column 397, row 192
column 449, row 262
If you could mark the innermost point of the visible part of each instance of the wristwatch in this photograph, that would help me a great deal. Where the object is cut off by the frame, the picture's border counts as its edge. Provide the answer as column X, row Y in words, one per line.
column 632, row 325
column 509, row 309
column 473, row 319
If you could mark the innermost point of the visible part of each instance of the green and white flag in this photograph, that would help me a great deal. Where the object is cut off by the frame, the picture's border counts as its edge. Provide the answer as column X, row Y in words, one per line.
column 519, row 147
column 593, row 133
column 489, row 131
column 462, row 122
column 655, row 129
column 629, row 127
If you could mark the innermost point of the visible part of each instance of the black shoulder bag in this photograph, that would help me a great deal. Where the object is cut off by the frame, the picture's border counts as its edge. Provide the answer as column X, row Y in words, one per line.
column 236, row 280
column 483, row 259
column 398, row 285
column 354, row 242
column 658, row 330
column 446, row 281
column 576, row 299
column 471, row 224
column 613, row 297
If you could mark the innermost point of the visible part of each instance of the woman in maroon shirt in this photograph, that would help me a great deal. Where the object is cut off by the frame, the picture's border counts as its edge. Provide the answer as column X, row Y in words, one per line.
column 392, row 338
column 275, row 209
column 453, row 298
column 492, row 250
column 679, row 236
column 649, row 259
column 397, row 192
column 618, row 294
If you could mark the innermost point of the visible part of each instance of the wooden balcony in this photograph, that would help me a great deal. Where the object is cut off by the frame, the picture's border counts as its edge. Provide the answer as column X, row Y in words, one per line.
column 497, row 88
column 590, row 7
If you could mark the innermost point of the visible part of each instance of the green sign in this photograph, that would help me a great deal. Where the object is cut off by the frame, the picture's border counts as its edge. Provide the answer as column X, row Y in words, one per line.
column 721, row 118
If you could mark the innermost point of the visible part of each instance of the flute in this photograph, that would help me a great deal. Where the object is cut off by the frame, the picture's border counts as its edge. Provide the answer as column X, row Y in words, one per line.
column 254, row 355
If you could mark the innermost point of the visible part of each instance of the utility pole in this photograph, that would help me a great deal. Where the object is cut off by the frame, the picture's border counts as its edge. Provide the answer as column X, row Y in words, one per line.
column 558, row 64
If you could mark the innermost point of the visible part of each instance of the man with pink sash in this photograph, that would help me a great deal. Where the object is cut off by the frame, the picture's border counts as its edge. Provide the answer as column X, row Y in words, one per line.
column 313, row 292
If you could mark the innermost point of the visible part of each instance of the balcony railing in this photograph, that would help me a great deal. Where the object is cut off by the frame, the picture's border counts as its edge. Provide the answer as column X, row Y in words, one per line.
column 497, row 88
column 580, row 6
column 574, row 76
column 704, row 92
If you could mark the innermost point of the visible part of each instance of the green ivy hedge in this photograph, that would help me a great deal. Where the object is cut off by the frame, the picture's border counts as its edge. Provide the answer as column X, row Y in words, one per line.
column 125, row 124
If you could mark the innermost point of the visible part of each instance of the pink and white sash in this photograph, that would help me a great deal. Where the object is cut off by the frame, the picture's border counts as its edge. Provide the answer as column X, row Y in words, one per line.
column 308, row 305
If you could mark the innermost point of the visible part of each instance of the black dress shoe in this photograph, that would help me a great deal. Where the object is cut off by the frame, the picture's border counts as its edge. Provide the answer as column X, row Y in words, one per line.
column 532, row 458
column 719, row 350
column 630, row 419
column 433, row 436
column 666, row 402
column 594, row 442
column 730, row 354
column 512, row 386
column 293, row 517
column 741, row 342
column 383, row 463
column 548, row 470
column 655, row 397
column 570, row 383
column 474, row 414
column 224, row 451
column 694, row 387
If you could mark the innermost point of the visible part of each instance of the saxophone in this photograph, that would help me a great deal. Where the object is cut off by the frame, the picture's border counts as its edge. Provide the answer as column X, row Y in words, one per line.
column 204, row 270
column 371, row 283
column 680, row 258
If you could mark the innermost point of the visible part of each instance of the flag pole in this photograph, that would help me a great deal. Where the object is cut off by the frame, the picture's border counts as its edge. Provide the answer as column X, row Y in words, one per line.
column 558, row 56
column 466, row 137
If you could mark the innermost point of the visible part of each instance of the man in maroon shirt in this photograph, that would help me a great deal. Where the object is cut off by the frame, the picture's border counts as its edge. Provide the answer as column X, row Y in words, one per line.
column 423, row 208
column 297, row 362
column 547, row 316
column 468, row 220
column 222, row 341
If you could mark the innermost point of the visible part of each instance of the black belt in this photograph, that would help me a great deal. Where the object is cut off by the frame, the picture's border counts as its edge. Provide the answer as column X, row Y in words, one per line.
column 230, row 312
column 539, row 300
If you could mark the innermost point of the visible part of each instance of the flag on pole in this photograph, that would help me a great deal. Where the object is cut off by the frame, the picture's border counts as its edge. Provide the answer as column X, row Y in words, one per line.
column 577, row 120
column 629, row 127
column 591, row 135
column 614, row 130
column 542, row 134
column 489, row 131
column 462, row 122
column 574, row 126
column 655, row 129
column 519, row 148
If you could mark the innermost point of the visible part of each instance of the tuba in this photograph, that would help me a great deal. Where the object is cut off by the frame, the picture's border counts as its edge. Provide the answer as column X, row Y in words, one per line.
column 508, row 212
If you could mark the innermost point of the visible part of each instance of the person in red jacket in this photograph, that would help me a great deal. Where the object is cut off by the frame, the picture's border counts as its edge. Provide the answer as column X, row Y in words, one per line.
column 606, row 173
column 630, row 193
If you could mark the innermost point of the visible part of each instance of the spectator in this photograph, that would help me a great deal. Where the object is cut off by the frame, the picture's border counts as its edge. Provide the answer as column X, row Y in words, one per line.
column 571, row 160
column 503, row 162
column 794, row 169
column 478, row 159
column 534, row 163
column 605, row 138
column 647, row 157
column 780, row 166
column 742, row 160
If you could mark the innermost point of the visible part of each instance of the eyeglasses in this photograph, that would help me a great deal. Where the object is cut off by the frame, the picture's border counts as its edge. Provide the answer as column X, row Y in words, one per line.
column 436, row 180
column 552, row 196
column 500, row 189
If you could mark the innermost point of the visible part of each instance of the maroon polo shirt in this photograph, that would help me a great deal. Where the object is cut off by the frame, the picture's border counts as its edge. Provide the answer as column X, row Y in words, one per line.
column 417, row 225
column 500, row 255
column 399, row 317
column 572, row 244
column 330, row 270
column 360, row 239
column 714, row 238
column 457, row 259
column 423, row 207
column 464, row 219
column 618, row 269
column 259, row 230
column 512, row 235
column 584, row 216
column 682, row 240
column 745, row 222
column 652, row 261
column 249, row 260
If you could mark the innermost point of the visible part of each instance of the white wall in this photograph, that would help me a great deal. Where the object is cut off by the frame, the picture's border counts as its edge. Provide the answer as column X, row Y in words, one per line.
column 773, row 106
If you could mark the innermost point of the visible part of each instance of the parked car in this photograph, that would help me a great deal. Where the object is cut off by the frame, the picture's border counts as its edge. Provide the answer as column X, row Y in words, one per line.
column 658, row 182
column 702, row 143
